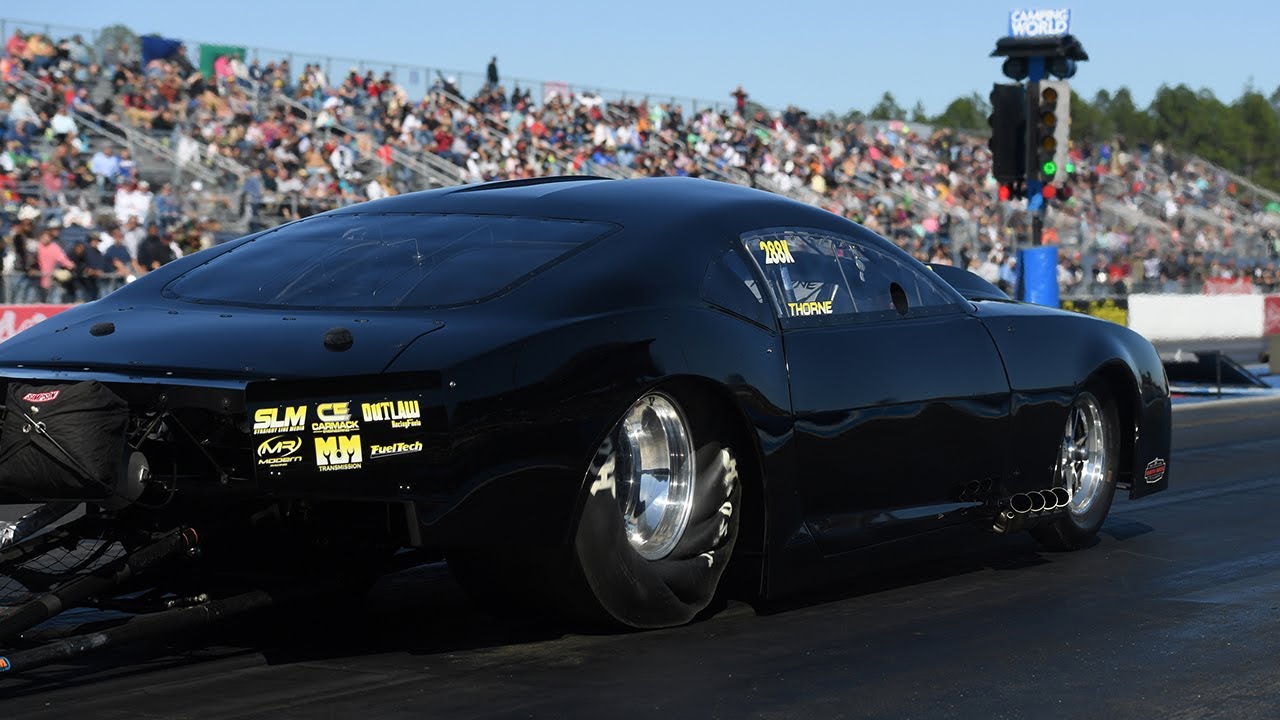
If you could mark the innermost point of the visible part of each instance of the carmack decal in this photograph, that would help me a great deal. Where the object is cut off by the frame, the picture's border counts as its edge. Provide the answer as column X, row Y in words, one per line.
column 776, row 252
column 269, row 421
column 401, row 413
column 334, row 418
column 338, row 452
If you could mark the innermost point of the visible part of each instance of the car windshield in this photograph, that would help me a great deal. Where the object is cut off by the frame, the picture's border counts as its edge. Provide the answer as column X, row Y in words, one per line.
column 384, row 261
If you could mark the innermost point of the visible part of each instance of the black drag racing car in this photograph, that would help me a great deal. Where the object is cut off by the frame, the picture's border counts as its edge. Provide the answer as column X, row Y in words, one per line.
column 592, row 393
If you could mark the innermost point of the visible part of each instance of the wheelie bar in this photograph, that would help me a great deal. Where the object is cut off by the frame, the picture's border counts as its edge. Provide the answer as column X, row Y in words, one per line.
column 137, row 628
column 107, row 578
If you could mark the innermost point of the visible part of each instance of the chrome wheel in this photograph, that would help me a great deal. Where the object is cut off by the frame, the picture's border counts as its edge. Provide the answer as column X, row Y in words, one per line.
column 1082, row 460
column 655, row 475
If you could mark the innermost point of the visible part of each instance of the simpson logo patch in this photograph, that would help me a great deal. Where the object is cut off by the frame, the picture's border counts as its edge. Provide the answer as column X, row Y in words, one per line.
column 41, row 397
column 1155, row 470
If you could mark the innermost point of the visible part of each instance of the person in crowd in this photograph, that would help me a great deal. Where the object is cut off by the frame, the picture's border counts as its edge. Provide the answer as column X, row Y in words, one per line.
column 154, row 251
column 106, row 166
column 53, row 268
column 122, row 268
column 90, row 268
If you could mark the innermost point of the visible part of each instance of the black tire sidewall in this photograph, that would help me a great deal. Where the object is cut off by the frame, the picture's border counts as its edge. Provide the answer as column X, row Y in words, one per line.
column 640, row 593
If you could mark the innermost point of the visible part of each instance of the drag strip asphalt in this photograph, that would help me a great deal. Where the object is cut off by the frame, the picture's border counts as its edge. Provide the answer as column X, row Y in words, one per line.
column 1175, row 613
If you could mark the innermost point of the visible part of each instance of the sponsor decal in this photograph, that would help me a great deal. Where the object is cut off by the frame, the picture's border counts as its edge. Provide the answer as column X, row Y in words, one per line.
column 338, row 452
column 41, row 397
column 1155, row 470
column 776, row 252
column 270, row 421
column 396, row 448
column 280, row 450
column 4, row 664
column 401, row 413
column 334, row 418
column 1039, row 23
column 805, row 309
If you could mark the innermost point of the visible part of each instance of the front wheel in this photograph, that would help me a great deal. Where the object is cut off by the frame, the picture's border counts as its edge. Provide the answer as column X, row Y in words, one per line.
column 1088, row 458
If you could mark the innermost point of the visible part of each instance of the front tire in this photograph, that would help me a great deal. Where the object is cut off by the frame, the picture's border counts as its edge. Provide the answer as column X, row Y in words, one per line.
column 1088, row 460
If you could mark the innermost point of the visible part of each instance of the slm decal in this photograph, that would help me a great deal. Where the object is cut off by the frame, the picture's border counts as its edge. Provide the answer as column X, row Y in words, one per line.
column 1155, row 470
column 41, row 397
column 269, row 421
column 279, row 450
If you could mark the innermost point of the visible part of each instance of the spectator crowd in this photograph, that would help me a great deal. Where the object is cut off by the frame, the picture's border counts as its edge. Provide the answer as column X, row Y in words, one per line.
column 80, row 214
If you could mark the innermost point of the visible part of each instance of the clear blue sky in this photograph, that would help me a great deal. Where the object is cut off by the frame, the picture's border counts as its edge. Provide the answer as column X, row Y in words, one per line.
column 828, row 55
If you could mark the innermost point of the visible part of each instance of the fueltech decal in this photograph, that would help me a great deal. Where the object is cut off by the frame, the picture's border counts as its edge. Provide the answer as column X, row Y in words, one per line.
column 392, row 449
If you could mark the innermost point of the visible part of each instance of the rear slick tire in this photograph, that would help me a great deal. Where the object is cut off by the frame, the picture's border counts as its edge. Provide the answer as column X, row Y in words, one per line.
column 1088, row 460
column 622, row 586
column 603, row 579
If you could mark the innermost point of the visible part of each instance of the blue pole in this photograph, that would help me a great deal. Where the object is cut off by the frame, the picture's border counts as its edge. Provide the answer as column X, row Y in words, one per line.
column 1037, row 265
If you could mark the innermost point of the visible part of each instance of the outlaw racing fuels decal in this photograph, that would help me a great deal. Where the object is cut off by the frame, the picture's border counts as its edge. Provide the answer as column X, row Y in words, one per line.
column 401, row 413
column 1155, row 470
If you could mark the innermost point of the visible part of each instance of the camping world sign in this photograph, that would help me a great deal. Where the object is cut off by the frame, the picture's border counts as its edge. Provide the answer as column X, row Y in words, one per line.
column 1039, row 23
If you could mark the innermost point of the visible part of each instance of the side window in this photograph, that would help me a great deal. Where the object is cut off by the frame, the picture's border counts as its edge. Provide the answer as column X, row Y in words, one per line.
column 818, row 277
column 731, row 285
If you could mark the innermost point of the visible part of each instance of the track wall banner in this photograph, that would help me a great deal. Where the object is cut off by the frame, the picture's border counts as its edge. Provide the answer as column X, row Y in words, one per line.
column 1114, row 309
column 16, row 318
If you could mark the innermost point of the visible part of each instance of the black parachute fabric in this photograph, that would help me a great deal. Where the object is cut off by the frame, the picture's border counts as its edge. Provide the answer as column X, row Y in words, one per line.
column 62, row 442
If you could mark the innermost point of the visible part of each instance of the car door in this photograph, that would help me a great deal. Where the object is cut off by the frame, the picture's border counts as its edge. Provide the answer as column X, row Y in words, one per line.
column 899, row 395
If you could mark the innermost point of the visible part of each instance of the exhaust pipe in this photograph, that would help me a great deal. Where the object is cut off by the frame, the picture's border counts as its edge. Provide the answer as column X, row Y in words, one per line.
column 1037, row 500
column 1062, row 496
column 1020, row 503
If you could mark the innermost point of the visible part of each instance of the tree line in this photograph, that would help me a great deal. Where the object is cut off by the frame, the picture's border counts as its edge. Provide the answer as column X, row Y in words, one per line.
column 1242, row 136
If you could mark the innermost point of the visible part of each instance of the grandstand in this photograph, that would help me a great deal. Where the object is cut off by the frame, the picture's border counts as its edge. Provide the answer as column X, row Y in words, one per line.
column 258, row 143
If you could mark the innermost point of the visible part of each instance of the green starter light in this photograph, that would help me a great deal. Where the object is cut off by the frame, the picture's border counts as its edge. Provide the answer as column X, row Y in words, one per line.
column 1071, row 167
column 1050, row 168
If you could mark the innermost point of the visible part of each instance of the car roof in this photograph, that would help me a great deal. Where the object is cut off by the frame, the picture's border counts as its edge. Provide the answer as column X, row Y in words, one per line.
column 636, row 204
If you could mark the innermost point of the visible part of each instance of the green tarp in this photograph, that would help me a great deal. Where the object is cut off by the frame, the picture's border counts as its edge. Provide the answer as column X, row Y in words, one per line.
column 209, row 54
